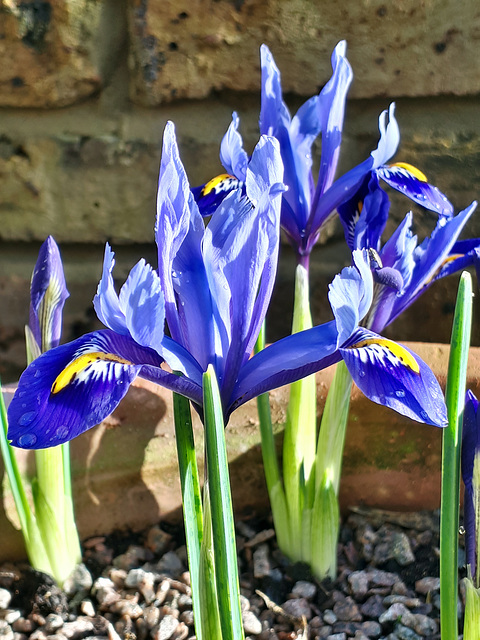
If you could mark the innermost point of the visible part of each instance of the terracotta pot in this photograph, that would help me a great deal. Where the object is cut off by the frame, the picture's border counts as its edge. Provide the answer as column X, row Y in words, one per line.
column 125, row 470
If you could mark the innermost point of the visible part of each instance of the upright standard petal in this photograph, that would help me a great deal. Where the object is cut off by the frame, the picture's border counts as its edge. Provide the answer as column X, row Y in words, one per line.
column 350, row 295
column 331, row 106
column 232, row 154
column 48, row 292
column 392, row 375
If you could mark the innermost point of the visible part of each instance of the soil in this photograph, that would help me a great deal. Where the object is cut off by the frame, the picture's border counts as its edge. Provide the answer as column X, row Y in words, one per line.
column 135, row 586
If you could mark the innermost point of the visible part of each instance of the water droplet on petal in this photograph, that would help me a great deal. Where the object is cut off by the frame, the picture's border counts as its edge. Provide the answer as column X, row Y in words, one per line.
column 38, row 373
column 400, row 393
column 27, row 418
column 61, row 433
column 424, row 415
column 27, row 440
column 361, row 374
column 21, row 394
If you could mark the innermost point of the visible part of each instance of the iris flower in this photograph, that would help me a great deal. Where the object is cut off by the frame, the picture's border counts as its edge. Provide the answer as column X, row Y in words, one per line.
column 48, row 293
column 306, row 207
column 471, row 479
column 402, row 268
column 212, row 289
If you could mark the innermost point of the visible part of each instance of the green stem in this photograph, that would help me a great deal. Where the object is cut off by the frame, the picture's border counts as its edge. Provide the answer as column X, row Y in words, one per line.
column 300, row 436
column 226, row 571
column 270, row 464
column 333, row 427
column 452, row 434
column 191, row 499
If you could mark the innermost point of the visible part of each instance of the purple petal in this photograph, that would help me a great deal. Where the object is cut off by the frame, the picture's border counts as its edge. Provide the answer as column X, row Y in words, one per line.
column 74, row 387
column 389, row 138
column 412, row 183
column 232, row 154
column 331, row 106
column 350, row 295
column 210, row 195
column 48, row 293
column 286, row 361
column 392, row 375
column 430, row 257
column 106, row 302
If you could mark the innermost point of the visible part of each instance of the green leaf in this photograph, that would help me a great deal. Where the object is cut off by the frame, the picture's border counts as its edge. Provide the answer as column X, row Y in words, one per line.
column 452, row 435
column 211, row 625
column 226, row 571
column 192, row 501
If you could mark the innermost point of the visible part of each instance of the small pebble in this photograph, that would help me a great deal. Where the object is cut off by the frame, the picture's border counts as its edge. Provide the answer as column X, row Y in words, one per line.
column 426, row 585
column 5, row 598
column 158, row 540
column 166, row 628
column 261, row 561
column 304, row 589
column 171, row 564
column 329, row 617
column 298, row 607
column 251, row 623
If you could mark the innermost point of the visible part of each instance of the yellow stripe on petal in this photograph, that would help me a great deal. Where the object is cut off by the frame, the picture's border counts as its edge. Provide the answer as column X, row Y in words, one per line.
column 395, row 349
column 215, row 184
column 411, row 169
column 80, row 364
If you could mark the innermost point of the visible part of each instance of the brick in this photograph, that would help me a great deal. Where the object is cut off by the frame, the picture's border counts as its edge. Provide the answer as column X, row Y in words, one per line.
column 188, row 49
column 46, row 52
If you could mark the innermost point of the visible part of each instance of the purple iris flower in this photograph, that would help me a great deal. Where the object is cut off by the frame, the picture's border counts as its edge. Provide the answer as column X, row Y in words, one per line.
column 306, row 207
column 402, row 268
column 471, row 480
column 48, row 292
column 212, row 289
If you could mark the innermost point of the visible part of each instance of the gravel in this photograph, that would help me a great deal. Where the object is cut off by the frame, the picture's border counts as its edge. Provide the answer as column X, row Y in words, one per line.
column 137, row 587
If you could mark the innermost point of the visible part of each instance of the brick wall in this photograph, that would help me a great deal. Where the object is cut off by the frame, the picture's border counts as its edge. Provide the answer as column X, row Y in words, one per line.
column 86, row 87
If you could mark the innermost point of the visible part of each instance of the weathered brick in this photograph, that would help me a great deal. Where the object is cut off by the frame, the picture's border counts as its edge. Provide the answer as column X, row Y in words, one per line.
column 46, row 52
column 188, row 49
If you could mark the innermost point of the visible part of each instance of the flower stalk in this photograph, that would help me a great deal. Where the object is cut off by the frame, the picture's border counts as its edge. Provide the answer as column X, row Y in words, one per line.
column 451, row 451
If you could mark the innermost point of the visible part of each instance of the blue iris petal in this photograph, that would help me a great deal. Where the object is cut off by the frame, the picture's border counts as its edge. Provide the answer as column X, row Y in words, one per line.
column 48, row 292
column 350, row 295
column 232, row 154
column 71, row 388
column 391, row 375
column 400, row 178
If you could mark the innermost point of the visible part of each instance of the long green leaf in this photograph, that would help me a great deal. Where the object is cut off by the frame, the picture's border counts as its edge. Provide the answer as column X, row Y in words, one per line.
column 452, row 435
column 211, row 625
column 226, row 570
column 271, row 467
column 192, row 499
column 300, row 437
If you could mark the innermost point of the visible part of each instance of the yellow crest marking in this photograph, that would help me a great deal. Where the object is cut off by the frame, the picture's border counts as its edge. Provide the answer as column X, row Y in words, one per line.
column 214, row 182
column 411, row 169
column 397, row 350
column 81, row 363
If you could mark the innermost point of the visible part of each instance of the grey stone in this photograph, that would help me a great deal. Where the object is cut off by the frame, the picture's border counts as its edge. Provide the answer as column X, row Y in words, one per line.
column 251, row 623
column 79, row 628
column 329, row 616
column 358, row 581
column 405, row 633
column 304, row 589
column 347, row 611
column 53, row 622
column 298, row 607
column 78, row 581
column 428, row 584
column 5, row 598
column 261, row 561
column 171, row 564
column 167, row 627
